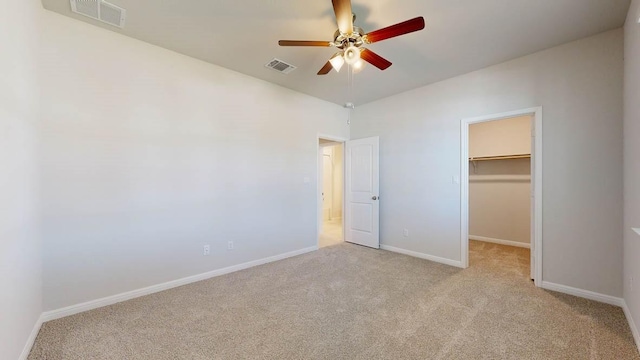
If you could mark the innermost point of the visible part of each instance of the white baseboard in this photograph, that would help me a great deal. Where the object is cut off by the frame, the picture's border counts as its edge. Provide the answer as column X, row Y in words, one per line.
column 98, row 303
column 500, row 241
column 632, row 324
column 32, row 339
column 607, row 299
column 422, row 256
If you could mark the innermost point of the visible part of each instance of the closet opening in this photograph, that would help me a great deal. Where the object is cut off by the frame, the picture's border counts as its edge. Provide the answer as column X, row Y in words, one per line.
column 330, row 192
column 501, row 193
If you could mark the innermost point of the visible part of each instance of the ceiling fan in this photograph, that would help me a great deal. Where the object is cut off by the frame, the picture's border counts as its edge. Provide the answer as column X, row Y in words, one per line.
column 349, row 39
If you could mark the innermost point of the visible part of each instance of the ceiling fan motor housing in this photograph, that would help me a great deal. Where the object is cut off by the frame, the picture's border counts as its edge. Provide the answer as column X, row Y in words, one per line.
column 343, row 41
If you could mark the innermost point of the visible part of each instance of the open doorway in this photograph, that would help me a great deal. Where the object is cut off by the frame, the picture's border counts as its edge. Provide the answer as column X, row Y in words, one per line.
column 330, row 192
column 501, row 192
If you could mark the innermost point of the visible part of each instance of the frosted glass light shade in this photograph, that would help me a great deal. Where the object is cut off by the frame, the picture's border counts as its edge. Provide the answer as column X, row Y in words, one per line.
column 351, row 55
column 358, row 66
column 337, row 61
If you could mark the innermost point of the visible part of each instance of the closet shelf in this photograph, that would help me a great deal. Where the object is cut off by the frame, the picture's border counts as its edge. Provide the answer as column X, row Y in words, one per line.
column 502, row 157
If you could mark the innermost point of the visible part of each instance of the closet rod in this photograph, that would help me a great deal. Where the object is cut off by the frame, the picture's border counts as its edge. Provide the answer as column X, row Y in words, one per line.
column 503, row 157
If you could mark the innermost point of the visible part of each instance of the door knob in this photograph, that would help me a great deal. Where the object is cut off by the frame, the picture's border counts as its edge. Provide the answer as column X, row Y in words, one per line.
column 374, row 198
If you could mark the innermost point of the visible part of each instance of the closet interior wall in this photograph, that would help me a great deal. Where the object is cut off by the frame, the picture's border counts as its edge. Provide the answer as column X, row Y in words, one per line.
column 500, row 181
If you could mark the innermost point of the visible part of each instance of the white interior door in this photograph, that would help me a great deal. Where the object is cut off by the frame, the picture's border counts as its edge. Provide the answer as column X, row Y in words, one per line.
column 362, row 207
column 327, row 187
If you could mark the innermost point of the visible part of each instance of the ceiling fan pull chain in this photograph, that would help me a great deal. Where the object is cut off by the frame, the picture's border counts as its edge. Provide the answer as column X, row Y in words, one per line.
column 350, row 77
column 351, row 82
column 349, row 93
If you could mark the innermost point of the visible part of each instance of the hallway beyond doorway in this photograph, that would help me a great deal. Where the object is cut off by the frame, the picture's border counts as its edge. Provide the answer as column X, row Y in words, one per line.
column 331, row 232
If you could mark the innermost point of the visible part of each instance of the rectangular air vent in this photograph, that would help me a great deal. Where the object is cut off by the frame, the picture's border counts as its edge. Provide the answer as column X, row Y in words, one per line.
column 280, row 66
column 100, row 10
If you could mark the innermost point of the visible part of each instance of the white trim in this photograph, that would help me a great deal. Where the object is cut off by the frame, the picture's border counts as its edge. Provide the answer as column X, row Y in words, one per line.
column 338, row 139
column 607, row 299
column 500, row 241
column 502, row 116
column 32, row 339
column 632, row 324
column 422, row 256
column 497, row 178
column 319, row 217
column 464, row 193
column 537, row 190
column 637, row 230
column 98, row 303
column 536, row 165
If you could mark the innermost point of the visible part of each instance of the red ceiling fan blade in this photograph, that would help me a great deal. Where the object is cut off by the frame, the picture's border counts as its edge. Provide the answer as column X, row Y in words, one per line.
column 402, row 28
column 325, row 69
column 344, row 16
column 303, row 43
column 375, row 59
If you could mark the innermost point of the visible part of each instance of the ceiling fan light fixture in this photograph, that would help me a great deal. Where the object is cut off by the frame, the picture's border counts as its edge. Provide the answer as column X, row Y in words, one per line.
column 337, row 61
column 352, row 55
column 358, row 66
column 349, row 39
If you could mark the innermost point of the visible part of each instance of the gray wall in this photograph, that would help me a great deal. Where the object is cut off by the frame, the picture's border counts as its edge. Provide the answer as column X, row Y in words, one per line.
column 20, row 256
column 579, row 84
column 632, row 161
column 147, row 155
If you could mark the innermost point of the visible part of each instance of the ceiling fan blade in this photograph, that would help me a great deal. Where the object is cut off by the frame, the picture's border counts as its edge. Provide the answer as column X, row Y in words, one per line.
column 303, row 43
column 325, row 69
column 344, row 16
column 402, row 28
column 375, row 59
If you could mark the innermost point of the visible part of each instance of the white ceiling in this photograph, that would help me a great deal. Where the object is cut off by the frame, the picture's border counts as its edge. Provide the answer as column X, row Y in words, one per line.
column 460, row 36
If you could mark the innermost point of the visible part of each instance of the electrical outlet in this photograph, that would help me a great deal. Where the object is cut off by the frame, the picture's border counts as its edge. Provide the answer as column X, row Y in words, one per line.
column 230, row 245
column 207, row 250
column 405, row 232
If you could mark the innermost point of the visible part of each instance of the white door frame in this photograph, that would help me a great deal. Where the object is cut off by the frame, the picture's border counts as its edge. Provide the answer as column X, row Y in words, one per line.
column 327, row 195
column 536, row 166
column 337, row 139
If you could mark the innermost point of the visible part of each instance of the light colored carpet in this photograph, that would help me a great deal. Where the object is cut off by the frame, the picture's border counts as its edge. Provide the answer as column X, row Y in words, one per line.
column 350, row 302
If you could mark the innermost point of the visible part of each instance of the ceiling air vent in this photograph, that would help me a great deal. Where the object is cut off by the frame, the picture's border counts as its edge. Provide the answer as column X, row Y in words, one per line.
column 280, row 66
column 100, row 10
